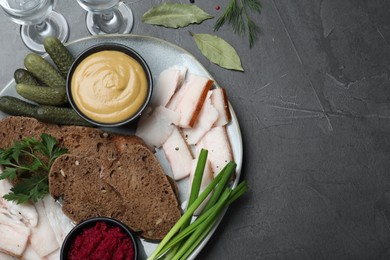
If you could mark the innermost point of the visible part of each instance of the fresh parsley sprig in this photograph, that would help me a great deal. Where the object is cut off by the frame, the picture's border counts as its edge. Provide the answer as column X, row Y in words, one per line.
column 237, row 14
column 28, row 163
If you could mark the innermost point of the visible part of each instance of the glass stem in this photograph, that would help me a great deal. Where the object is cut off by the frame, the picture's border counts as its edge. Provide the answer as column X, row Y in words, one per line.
column 107, row 16
column 40, row 27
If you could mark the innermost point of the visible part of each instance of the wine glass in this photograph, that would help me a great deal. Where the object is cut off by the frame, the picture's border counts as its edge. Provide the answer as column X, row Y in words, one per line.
column 107, row 16
column 38, row 20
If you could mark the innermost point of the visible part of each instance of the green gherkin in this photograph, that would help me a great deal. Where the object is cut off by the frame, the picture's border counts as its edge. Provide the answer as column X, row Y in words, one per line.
column 59, row 54
column 60, row 115
column 17, row 107
column 24, row 76
column 43, row 70
column 43, row 95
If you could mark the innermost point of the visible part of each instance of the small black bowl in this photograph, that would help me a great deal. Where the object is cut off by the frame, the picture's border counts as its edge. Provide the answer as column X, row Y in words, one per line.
column 77, row 230
column 109, row 47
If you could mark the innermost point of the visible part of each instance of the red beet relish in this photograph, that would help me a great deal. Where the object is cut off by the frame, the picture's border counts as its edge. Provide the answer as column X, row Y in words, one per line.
column 102, row 242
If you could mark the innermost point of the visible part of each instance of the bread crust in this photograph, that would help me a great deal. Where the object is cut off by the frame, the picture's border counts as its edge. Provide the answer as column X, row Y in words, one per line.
column 85, row 179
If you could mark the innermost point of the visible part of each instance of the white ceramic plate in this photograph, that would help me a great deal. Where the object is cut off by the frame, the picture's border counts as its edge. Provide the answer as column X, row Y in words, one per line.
column 159, row 55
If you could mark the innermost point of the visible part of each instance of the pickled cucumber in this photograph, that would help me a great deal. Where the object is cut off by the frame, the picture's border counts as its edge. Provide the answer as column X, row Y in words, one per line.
column 59, row 54
column 43, row 70
column 17, row 107
column 60, row 115
column 24, row 76
column 43, row 95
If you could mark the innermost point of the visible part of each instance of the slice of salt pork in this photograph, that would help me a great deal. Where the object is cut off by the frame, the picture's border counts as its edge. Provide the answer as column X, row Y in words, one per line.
column 43, row 232
column 156, row 127
column 208, row 176
column 178, row 155
column 207, row 117
column 30, row 254
column 13, row 234
column 3, row 256
column 216, row 141
column 60, row 224
column 55, row 255
column 220, row 101
column 168, row 82
column 26, row 212
column 177, row 97
column 196, row 89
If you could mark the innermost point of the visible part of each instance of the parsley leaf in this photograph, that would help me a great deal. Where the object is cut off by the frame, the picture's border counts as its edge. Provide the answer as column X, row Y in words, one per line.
column 8, row 173
column 33, row 188
column 28, row 162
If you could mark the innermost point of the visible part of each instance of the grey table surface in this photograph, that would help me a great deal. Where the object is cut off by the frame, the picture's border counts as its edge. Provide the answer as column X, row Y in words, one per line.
column 314, row 110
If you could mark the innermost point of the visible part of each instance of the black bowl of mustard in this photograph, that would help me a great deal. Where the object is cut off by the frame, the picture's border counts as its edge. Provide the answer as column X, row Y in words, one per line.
column 99, row 238
column 109, row 84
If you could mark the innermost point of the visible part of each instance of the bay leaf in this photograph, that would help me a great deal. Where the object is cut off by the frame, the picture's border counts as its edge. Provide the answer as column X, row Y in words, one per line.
column 173, row 15
column 218, row 51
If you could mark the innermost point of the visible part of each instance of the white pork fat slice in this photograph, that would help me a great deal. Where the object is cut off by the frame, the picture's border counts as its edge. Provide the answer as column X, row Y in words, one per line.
column 176, row 98
column 55, row 255
column 60, row 223
column 217, row 142
column 168, row 82
column 14, row 235
column 26, row 212
column 207, row 117
column 3, row 256
column 220, row 101
column 178, row 155
column 196, row 89
column 207, row 177
column 43, row 232
column 30, row 254
column 156, row 127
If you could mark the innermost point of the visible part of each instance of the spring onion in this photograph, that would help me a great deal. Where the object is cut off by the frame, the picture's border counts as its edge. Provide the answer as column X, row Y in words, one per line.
column 187, row 215
column 185, row 236
column 200, row 230
column 212, row 213
column 197, row 181
column 230, row 168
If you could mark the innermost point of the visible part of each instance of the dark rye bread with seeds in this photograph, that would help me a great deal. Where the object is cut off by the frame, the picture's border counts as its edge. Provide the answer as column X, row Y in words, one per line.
column 15, row 128
column 152, row 206
column 87, row 141
column 84, row 141
column 132, row 188
column 77, row 180
column 95, row 151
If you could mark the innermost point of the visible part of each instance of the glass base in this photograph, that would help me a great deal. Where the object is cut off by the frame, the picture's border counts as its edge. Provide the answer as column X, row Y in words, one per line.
column 54, row 25
column 119, row 20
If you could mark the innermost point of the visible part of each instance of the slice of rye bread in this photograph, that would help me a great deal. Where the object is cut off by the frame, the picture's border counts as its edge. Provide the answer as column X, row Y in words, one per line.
column 15, row 128
column 89, row 142
column 85, row 141
column 152, row 205
column 77, row 180
column 143, row 194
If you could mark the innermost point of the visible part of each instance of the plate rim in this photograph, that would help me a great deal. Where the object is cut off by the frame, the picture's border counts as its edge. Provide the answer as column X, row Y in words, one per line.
column 132, row 37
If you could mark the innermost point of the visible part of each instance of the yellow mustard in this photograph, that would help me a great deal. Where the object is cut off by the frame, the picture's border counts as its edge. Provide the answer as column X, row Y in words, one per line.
column 109, row 86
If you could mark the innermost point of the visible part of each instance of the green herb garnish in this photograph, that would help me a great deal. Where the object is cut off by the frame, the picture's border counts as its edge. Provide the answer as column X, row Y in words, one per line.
column 172, row 15
column 28, row 163
column 182, row 239
column 218, row 51
column 237, row 14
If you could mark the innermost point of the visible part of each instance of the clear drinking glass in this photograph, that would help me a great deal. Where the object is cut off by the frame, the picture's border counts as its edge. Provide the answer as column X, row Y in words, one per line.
column 107, row 16
column 37, row 20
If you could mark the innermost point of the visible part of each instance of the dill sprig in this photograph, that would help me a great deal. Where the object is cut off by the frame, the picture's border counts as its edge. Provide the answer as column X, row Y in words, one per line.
column 237, row 14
